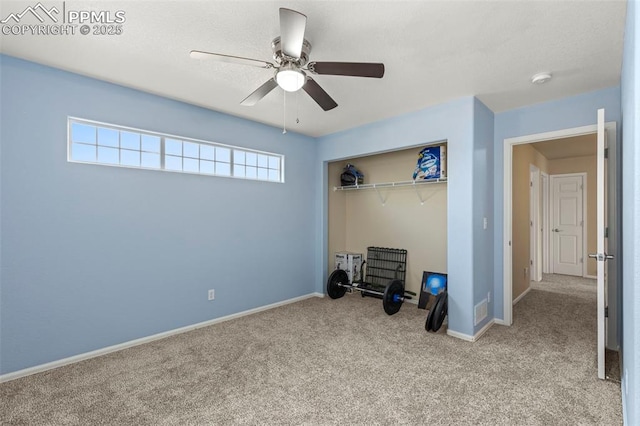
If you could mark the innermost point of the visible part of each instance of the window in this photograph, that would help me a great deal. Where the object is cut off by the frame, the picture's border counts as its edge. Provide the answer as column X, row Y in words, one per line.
column 254, row 165
column 99, row 143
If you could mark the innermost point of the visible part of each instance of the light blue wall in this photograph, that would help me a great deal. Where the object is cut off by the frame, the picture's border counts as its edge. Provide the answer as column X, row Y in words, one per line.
column 575, row 111
column 631, row 216
column 453, row 122
column 483, row 119
column 93, row 256
column 2, row 111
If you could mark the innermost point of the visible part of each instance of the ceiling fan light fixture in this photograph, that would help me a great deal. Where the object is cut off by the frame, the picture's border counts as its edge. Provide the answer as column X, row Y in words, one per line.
column 290, row 78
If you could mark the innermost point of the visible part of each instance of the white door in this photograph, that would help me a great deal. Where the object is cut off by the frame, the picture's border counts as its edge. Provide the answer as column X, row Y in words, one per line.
column 601, row 256
column 567, row 224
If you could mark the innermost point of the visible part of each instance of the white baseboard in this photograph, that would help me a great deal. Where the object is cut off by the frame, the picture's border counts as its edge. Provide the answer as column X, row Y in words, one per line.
column 591, row 277
column 519, row 298
column 473, row 338
column 625, row 395
column 103, row 351
column 499, row 321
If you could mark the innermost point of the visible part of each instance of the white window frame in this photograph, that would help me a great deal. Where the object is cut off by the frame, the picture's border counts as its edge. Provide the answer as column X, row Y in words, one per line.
column 233, row 149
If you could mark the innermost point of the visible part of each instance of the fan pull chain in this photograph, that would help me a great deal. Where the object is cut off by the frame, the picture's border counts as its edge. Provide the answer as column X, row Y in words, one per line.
column 284, row 112
column 298, row 107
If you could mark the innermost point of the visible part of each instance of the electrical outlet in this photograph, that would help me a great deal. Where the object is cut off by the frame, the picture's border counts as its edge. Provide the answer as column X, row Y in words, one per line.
column 484, row 223
column 489, row 297
column 212, row 294
column 525, row 272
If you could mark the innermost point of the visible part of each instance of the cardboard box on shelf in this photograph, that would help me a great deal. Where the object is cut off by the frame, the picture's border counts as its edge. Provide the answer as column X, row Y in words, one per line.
column 432, row 163
column 349, row 262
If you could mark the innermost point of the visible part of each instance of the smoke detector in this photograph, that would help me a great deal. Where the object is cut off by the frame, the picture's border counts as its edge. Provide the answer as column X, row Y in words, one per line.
column 541, row 78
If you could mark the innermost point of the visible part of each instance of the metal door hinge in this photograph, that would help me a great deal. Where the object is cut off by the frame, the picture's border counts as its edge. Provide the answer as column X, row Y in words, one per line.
column 606, row 232
column 606, row 312
column 606, row 153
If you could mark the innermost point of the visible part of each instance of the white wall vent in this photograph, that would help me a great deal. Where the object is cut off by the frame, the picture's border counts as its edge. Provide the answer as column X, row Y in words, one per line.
column 480, row 312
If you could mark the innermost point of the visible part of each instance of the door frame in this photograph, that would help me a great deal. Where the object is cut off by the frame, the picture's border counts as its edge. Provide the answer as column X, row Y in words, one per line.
column 585, row 222
column 544, row 182
column 535, row 248
column 507, row 231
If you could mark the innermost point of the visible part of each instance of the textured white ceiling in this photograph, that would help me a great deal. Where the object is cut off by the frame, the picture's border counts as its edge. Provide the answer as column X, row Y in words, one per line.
column 433, row 51
column 576, row 146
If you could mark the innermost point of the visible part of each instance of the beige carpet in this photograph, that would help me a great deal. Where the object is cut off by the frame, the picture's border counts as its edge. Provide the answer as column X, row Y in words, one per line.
column 323, row 361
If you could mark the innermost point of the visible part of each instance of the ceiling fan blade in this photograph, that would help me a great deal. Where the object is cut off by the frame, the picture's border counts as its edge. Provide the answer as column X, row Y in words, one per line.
column 354, row 69
column 198, row 54
column 292, row 27
column 260, row 93
column 318, row 94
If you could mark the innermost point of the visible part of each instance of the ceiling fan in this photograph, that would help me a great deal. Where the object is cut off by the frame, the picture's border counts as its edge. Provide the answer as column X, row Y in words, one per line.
column 291, row 54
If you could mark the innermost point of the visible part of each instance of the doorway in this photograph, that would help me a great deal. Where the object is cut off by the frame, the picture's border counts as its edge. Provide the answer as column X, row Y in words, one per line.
column 549, row 138
column 604, row 131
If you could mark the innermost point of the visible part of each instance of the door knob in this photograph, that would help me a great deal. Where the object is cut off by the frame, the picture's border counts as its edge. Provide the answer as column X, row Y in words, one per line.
column 555, row 230
column 601, row 257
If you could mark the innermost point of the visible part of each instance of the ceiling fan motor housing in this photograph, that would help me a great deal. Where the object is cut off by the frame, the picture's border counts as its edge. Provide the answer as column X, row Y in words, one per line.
column 280, row 58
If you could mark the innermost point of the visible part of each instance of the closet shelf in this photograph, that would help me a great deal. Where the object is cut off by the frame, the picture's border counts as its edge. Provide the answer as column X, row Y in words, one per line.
column 377, row 186
column 389, row 184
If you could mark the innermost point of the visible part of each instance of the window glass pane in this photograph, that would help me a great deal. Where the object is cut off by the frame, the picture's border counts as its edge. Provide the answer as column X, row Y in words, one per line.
column 129, row 140
column 108, row 155
column 150, row 160
column 238, row 170
column 252, row 159
column 207, row 166
column 172, row 147
column 190, row 165
column 252, row 172
column 206, row 152
column 115, row 145
column 130, row 158
column 274, row 175
column 274, row 163
column 83, row 133
column 262, row 174
column 223, row 169
column 82, row 152
column 150, row 143
column 190, row 149
column 223, row 154
column 107, row 137
column 172, row 163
